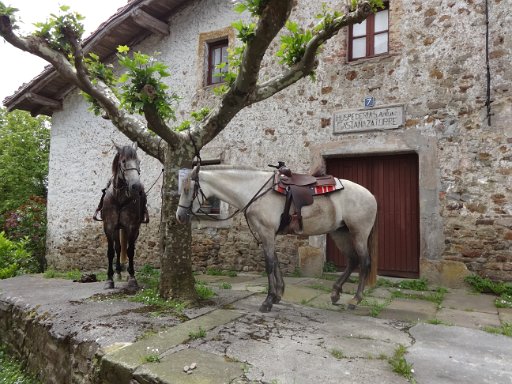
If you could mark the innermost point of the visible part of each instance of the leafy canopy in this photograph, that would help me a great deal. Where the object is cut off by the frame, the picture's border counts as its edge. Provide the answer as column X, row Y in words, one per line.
column 24, row 149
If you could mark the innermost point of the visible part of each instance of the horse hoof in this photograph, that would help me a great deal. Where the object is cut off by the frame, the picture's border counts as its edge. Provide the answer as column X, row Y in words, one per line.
column 351, row 307
column 132, row 284
column 265, row 308
column 109, row 284
column 276, row 300
column 335, row 297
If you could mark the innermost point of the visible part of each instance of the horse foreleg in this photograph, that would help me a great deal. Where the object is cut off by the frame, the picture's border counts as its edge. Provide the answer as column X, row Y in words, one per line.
column 132, row 282
column 109, row 284
column 118, row 247
column 275, row 280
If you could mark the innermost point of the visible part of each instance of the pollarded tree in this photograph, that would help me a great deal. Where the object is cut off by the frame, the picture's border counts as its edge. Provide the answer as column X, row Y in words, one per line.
column 59, row 41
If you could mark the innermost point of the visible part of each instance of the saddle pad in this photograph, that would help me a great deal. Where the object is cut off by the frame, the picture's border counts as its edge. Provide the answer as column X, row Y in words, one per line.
column 318, row 190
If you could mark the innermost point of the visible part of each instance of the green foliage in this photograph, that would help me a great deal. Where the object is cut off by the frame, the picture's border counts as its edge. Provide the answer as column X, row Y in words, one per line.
column 327, row 18
column 293, row 45
column 225, row 285
column 197, row 116
column 400, row 365
column 142, row 84
column 337, row 354
column 10, row 12
column 28, row 223
column 255, row 7
column 329, row 266
column 12, row 371
column 24, row 149
column 375, row 4
column 485, row 285
column 60, row 28
column 14, row 258
column 245, row 32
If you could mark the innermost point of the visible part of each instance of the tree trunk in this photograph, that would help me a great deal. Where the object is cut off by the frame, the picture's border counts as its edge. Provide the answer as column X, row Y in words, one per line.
column 177, row 280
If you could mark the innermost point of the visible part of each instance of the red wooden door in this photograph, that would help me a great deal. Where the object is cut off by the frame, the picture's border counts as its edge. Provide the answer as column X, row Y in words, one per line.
column 394, row 182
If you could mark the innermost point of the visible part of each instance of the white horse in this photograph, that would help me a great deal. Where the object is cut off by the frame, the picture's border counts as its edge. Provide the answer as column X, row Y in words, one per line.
column 348, row 215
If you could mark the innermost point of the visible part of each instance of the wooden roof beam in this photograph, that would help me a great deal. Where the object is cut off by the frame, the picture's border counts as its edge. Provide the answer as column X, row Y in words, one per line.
column 34, row 98
column 145, row 20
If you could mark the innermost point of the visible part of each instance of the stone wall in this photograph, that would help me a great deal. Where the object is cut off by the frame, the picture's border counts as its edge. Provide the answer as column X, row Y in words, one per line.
column 436, row 69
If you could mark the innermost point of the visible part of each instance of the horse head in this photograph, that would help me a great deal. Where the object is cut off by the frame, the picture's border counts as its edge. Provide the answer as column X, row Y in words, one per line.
column 189, row 204
column 126, row 170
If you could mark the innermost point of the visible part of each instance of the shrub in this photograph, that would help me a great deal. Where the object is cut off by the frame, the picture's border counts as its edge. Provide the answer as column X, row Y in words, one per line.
column 14, row 258
column 29, row 222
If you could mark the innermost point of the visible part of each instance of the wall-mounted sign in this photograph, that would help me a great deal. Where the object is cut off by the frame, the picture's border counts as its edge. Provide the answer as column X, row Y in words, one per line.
column 357, row 120
column 369, row 102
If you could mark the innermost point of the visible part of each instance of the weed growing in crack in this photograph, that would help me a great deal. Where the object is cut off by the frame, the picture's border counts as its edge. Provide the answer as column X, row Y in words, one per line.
column 199, row 334
column 337, row 354
column 400, row 365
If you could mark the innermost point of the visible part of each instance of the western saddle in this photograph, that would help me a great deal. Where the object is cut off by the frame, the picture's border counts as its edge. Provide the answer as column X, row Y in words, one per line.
column 299, row 189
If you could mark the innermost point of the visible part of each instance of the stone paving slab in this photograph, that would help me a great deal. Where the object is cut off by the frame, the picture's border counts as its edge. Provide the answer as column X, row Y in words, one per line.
column 123, row 362
column 462, row 300
column 505, row 315
column 409, row 310
column 300, row 295
column 457, row 355
column 211, row 368
column 470, row 319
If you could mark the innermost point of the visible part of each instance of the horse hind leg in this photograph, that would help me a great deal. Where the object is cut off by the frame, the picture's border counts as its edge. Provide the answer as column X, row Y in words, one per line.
column 120, row 252
column 343, row 241
column 132, row 282
column 361, row 248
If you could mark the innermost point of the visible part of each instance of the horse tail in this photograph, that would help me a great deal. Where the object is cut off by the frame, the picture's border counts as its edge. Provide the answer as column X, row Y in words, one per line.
column 373, row 249
column 124, row 246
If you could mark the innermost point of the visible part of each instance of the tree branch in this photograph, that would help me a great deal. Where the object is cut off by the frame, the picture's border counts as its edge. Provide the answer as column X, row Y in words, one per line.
column 132, row 127
column 308, row 62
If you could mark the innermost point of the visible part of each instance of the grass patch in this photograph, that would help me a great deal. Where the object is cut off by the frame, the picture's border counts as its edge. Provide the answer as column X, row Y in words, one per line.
column 199, row 334
column 320, row 287
column 225, row 285
column 337, row 354
column 434, row 297
column 374, row 305
column 410, row 284
column 204, row 292
column 150, row 296
column 152, row 358
column 11, row 371
column 484, row 285
column 220, row 272
column 504, row 301
column 505, row 329
column 437, row 322
column 400, row 365
column 74, row 274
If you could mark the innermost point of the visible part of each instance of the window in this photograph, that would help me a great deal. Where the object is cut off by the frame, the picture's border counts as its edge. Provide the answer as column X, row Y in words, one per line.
column 370, row 37
column 217, row 54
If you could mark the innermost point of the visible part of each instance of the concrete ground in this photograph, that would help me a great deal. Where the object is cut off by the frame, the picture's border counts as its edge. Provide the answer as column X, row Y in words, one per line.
column 304, row 339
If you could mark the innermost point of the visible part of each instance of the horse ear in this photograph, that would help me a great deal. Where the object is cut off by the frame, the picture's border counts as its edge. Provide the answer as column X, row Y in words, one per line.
column 118, row 148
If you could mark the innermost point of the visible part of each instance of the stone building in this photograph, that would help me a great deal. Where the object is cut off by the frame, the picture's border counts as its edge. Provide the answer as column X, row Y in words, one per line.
column 415, row 104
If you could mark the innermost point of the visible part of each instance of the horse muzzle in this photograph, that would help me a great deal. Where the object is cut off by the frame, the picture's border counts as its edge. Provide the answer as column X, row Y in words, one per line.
column 182, row 216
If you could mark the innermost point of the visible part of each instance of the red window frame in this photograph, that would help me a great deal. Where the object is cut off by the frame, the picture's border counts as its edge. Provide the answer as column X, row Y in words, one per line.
column 212, row 48
column 370, row 37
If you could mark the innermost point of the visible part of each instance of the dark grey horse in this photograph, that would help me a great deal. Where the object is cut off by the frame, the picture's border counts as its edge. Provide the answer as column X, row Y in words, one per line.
column 122, row 209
